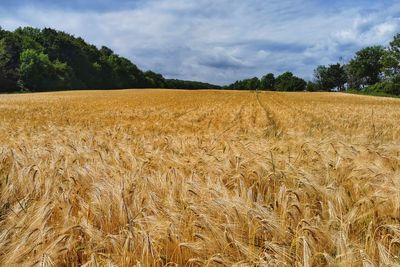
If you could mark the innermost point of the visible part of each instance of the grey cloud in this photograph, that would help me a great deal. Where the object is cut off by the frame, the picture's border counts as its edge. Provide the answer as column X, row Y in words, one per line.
column 219, row 58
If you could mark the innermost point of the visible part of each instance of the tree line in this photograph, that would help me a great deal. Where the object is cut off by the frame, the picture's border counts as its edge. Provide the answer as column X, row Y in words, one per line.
column 284, row 82
column 34, row 59
column 374, row 70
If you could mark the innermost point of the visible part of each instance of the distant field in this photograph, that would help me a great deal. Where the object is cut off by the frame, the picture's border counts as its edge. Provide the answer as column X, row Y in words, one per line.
column 194, row 178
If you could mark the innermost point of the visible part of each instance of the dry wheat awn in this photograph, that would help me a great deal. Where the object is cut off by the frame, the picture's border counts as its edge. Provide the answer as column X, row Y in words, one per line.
column 199, row 178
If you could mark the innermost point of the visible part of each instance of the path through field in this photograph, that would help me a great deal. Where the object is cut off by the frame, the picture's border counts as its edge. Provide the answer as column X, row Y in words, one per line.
column 157, row 177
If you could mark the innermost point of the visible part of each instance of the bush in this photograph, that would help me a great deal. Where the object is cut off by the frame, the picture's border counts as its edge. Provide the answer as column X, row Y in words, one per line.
column 391, row 87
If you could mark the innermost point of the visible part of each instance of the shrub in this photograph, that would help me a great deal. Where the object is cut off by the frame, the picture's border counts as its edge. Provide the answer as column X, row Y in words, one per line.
column 391, row 87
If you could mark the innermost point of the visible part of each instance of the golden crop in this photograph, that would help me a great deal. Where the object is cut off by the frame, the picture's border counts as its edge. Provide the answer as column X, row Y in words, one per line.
column 194, row 178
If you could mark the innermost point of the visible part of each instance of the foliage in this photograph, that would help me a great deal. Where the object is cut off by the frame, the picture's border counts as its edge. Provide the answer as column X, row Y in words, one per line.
column 389, row 87
column 312, row 87
column 10, row 48
column 284, row 82
column 34, row 59
column 247, row 84
column 268, row 82
column 181, row 84
column 391, row 58
column 288, row 82
column 38, row 73
column 155, row 79
column 366, row 67
column 331, row 77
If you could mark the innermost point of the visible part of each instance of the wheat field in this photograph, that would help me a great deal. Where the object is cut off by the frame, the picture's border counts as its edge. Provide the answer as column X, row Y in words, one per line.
column 199, row 178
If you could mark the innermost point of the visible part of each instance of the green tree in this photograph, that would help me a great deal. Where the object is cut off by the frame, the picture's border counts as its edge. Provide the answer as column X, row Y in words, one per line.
column 246, row 84
column 10, row 48
column 30, row 38
column 50, row 60
column 312, row 87
column 321, row 78
column 105, row 51
column 267, row 82
column 252, row 84
column 155, row 80
column 332, row 77
column 366, row 67
column 66, row 48
column 38, row 73
column 337, row 76
column 125, row 73
column 288, row 82
column 182, row 84
column 391, row 58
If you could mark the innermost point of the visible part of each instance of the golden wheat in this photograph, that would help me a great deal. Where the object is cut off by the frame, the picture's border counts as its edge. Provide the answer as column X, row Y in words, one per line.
column 194, row 178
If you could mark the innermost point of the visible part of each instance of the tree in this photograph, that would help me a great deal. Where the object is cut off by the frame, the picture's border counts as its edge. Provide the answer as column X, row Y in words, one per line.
column 105, row 51
column 50, row 60
column 337, row 76
column 10, row 48
column 332, row 77
column 366, row 67
column 267, row 82
column 246, row 84
column 38, row 73
column 252, row 84
column 181, row 84
column 30, row 38
column 288, row 82
column 66, row 48
column 391, row 58
column 125, row 73
column 312, row 87
column 321, row 78
column 233, row 86
column 155, row 80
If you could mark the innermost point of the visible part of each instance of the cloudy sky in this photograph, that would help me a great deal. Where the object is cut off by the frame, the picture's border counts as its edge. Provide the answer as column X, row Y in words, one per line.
column 217, row 41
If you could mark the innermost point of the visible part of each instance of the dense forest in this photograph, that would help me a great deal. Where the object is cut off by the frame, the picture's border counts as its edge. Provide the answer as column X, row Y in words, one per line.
column 46, row 59
column 42, row 60
column 373, row 70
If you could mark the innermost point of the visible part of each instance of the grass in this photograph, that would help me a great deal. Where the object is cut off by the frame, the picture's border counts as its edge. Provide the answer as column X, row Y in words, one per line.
column 194, row 178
